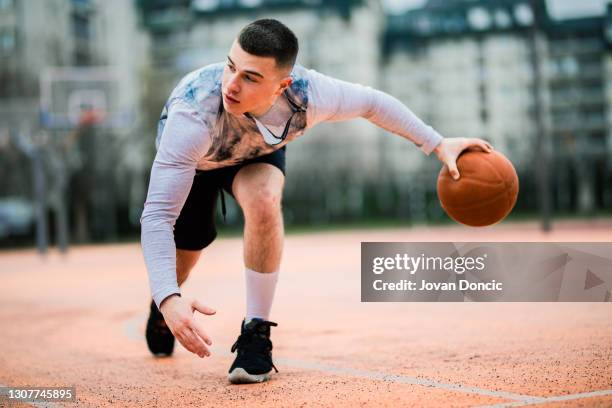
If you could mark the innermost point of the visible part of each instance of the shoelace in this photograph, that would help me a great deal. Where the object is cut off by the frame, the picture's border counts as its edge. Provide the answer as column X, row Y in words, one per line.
column 246, row 341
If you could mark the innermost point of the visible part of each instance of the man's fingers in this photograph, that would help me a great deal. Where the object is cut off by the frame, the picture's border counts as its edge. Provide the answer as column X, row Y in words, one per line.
column 452, row 169
column 480, row 144
column 198, row 343
column 199, row 331
column 197, row 305
column 192, row 342
column 186, row 342
column 485, row 146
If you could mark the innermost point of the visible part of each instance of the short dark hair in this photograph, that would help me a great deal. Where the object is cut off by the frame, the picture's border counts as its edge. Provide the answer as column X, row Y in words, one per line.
column 270, row 38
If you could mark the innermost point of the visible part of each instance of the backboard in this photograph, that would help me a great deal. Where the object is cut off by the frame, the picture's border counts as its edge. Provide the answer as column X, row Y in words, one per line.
column 70, row 96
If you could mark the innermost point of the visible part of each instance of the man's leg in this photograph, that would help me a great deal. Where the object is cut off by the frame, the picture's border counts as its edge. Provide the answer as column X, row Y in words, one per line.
column 185, row 261
column 258, row 189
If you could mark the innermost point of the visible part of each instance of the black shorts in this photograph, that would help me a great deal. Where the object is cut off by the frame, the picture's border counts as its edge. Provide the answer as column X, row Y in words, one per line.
column 195, row 227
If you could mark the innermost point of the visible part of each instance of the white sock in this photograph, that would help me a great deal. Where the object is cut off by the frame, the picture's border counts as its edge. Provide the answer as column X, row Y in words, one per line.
column 259, row 293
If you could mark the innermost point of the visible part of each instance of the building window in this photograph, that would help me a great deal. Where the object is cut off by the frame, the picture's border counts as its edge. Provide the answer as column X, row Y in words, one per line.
column 424, row 25
column 567, row 66
column 502, row 19
column 523, row 14
column 7, row 41
column 80, row 27
column 479, row 18
column 250, row 3
column 204, row 5
column 452, row 24
column 484, row 115
column 6, row 5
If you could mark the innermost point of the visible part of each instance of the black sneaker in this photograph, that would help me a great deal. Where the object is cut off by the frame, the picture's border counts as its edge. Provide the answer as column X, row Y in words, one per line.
column 253, row 362
column 159, row 337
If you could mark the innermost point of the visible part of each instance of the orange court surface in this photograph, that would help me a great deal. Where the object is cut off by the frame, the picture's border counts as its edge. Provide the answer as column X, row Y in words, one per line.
column 78, row 320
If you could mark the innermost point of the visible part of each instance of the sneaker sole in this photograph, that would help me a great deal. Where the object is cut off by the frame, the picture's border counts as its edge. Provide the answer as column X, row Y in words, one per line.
column 240, row 376
column 161, row 355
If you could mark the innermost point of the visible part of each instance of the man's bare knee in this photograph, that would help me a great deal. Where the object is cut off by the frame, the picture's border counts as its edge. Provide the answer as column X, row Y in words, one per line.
column 258, row 189
column 262, row 205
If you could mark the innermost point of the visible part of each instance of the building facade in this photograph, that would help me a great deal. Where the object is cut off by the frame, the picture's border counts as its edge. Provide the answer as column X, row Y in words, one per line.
column 539, row 89
column 505, row 71
column 84, row 176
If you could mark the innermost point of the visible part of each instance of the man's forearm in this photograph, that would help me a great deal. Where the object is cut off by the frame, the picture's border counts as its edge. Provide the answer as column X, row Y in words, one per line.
column 159, row 252
column 392, row 115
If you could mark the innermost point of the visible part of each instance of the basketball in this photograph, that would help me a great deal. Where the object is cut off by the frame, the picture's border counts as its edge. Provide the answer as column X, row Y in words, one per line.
column 485, row 192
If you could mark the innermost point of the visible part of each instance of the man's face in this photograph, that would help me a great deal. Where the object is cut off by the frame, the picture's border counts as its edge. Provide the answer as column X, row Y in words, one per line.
column 251, row 83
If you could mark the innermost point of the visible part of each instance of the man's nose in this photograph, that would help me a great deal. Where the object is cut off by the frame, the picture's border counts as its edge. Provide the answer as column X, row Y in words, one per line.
column 232, row 84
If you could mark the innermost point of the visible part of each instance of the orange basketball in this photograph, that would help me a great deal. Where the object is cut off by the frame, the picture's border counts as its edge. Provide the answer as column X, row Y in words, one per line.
column 485, row 192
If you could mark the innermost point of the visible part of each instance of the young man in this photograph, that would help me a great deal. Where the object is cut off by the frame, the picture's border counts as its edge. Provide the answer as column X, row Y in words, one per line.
column 225, row 127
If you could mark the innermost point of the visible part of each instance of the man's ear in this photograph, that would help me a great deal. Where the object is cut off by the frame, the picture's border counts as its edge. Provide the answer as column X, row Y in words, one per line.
column 285, row 83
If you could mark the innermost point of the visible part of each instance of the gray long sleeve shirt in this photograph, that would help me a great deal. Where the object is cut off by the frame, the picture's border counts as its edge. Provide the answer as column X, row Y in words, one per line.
column 194, row 133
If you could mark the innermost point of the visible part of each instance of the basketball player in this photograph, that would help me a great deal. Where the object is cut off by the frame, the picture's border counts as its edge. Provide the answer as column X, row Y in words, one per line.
column 225, row 127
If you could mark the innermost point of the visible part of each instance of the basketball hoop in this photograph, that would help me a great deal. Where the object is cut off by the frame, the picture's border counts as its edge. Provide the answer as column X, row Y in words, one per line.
column 91, row 117
column 74, row 97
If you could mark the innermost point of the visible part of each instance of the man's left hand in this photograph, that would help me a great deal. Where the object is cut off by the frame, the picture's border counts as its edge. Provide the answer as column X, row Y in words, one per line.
column 449, row 149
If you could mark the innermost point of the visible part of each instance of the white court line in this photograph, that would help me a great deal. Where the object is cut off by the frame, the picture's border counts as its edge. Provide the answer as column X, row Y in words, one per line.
column 403, row 379
column 131, row 330
column 547, row 400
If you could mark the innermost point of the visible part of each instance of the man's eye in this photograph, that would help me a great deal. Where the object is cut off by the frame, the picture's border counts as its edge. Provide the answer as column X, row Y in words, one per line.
column 231, row 67
column 250, row 79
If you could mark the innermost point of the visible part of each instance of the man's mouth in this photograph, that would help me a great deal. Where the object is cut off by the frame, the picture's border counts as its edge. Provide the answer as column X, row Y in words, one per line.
column 229, row 99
